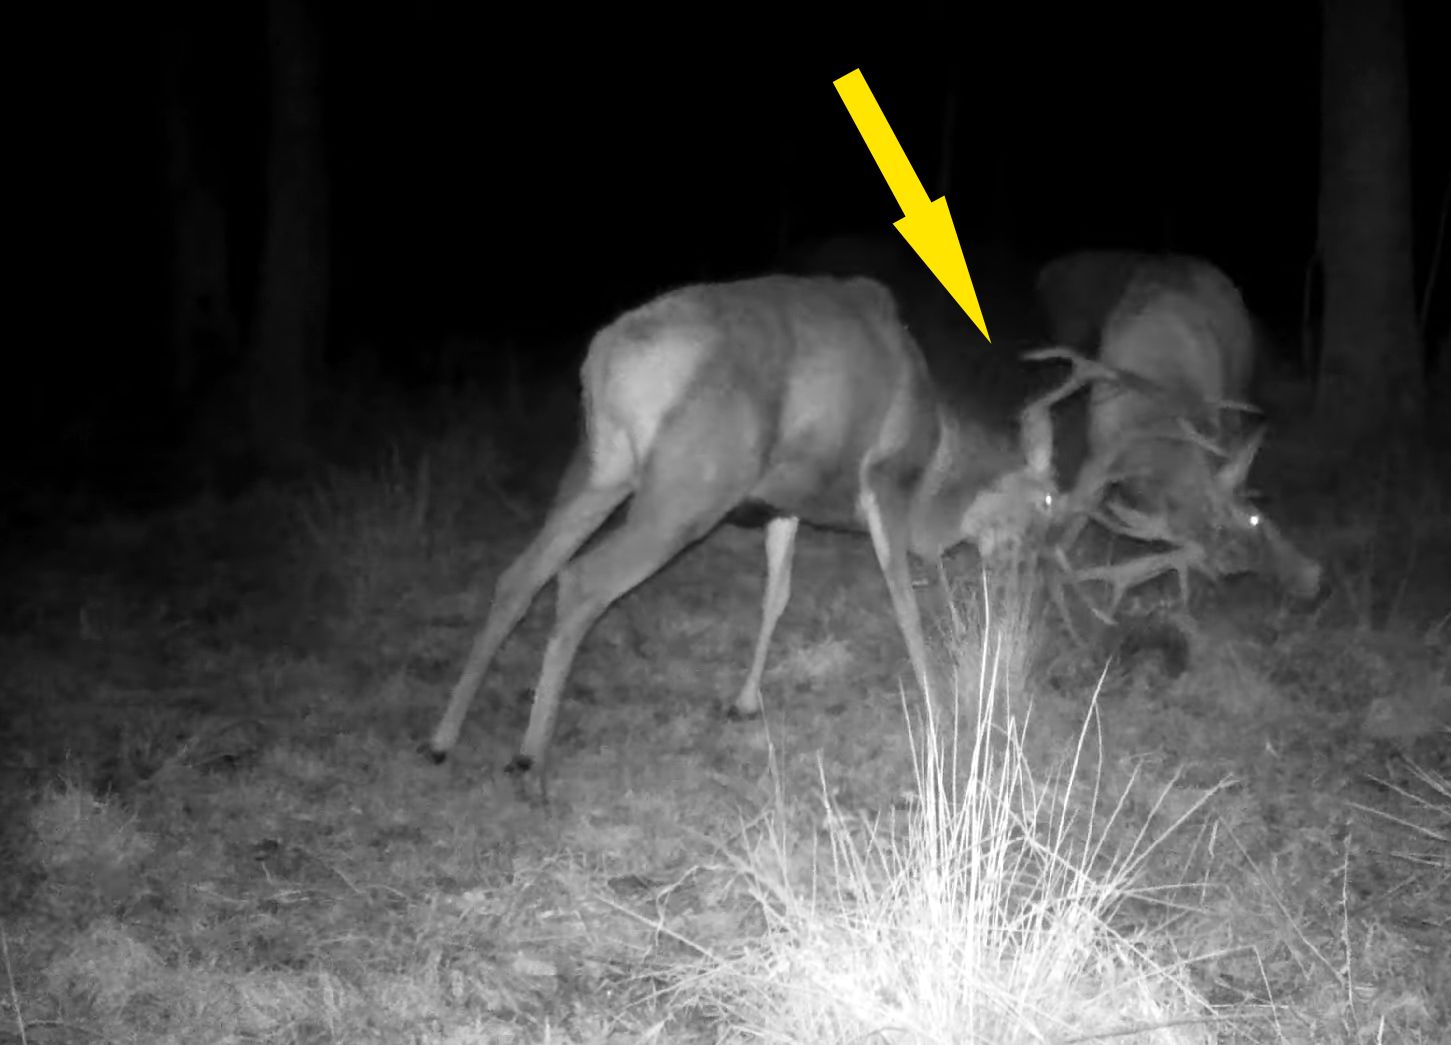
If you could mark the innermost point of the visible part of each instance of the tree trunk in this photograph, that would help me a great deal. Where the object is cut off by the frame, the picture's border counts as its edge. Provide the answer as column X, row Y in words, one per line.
column 204, row 332
column 1371, row 378
column 293, row 291
column 1441, row 393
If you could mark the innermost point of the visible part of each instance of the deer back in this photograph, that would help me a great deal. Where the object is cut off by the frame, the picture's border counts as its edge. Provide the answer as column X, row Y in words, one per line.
column 816, row 377
column 1076, row 292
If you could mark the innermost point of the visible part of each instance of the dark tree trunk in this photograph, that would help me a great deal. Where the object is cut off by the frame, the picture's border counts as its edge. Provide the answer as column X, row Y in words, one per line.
column 293, row 290
column 1371, row 378
column 204, row 333
column 1440, row 394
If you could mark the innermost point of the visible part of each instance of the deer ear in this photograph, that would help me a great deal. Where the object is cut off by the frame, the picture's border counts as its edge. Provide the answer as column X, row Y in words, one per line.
column 1236, row 470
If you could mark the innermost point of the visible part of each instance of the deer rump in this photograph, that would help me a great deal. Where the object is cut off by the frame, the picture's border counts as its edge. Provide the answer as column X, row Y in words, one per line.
column 1175, row 444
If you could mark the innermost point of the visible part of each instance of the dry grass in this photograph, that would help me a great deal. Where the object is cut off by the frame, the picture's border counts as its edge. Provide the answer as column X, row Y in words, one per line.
column 217, row 828
column 983, row 911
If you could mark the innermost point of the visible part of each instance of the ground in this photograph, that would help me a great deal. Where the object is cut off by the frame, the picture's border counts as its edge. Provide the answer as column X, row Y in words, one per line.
column 218, row 826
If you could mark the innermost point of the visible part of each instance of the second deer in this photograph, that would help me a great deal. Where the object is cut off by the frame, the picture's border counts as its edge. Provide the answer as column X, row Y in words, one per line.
column 1167, row 432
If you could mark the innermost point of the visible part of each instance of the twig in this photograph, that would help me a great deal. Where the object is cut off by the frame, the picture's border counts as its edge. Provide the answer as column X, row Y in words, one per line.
column 513, row 506
column 10, row 980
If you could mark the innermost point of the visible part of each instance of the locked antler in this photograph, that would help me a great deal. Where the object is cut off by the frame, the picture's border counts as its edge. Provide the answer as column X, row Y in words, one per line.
column 1088, row 500
column 1036, row 417
column 1185, row 555
column 1178, row 405
column 1086, row 370
column 1181, row 558
column 1100, row 473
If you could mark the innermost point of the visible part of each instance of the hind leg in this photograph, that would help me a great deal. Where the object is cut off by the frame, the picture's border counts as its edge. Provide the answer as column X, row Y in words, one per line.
column 698, row 472
column 579, row 510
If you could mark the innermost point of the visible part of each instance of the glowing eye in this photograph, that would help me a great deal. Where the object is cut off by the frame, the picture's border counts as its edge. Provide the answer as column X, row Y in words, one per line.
column 1254, row 519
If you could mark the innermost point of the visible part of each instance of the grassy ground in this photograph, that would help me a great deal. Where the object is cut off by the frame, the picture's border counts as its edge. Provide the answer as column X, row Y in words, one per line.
column 217, row 827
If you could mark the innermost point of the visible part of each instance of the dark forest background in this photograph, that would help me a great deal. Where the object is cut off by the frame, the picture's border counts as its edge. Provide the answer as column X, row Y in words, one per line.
column 408, row 176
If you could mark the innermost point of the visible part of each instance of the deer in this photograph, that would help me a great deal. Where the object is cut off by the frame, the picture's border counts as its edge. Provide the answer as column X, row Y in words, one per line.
column 1169, row 447
column 791, row 397
column 1077, row 291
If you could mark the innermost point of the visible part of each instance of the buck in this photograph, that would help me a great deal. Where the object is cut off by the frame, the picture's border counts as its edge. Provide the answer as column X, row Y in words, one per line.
column 1077, row 291
column 1166, row 430
column 802, row 396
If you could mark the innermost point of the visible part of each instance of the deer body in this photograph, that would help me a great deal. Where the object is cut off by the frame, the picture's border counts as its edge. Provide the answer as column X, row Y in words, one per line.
column 1184, row 327
column 1171, row 440
column 1077, row 291
column 805, row 396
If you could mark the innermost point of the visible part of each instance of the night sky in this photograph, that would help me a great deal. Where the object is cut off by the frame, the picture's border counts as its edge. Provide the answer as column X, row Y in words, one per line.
column 529, row 173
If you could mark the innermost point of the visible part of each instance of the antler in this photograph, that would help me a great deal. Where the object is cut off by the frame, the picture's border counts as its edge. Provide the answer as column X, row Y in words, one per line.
column 1141, row 526
column 1186, row 555
column 1086, row 370
column 1081, row 504
column 1122, row 577
column 1036, row 418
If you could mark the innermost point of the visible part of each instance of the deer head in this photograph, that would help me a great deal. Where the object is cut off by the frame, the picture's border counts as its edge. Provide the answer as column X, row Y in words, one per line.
column 1243, row 539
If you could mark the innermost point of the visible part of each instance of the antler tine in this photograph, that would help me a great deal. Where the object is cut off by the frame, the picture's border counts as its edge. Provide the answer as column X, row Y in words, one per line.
column 1084, row 372
column 1185, row 430
column 1087, row 370
column 1036, row 418
column 1185, row 557
column 1124, row 576
column 1103, row 471
column 1065, row 570
column 1236, row 406
column 1141, row 526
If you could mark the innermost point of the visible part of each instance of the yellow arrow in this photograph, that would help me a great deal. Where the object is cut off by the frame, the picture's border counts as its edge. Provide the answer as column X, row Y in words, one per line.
column 925, row 224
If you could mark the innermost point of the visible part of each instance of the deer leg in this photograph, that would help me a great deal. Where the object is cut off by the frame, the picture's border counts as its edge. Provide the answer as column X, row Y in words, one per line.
column 885, row 510
column 677, row 503
column 780, row 542
column 577, row 513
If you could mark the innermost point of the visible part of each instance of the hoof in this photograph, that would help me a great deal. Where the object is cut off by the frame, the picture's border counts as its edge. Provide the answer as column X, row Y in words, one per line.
column 735, row 714
column 434, row 755
column 529, row 783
